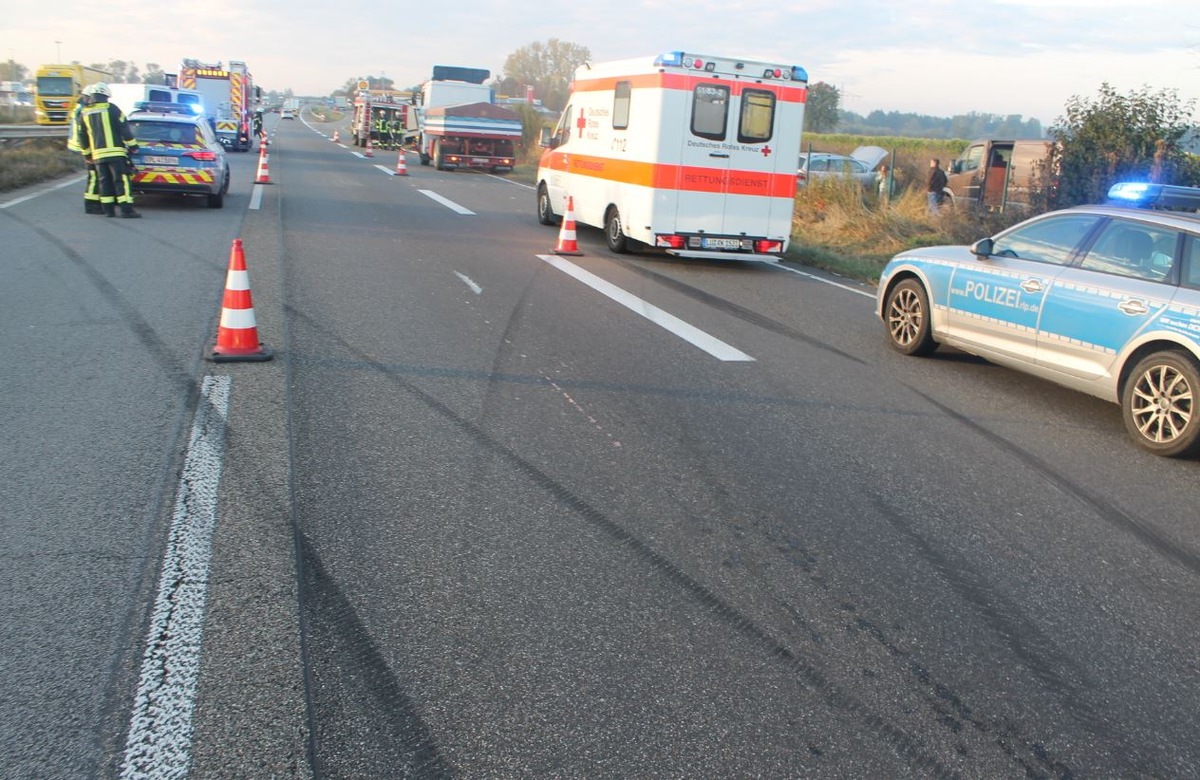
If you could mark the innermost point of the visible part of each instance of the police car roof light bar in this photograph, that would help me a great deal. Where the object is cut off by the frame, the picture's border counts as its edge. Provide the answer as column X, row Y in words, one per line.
column 1155, row 196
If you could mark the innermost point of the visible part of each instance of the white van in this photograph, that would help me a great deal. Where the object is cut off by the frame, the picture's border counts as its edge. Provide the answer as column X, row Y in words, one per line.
column 689, row 153
column 129, row 97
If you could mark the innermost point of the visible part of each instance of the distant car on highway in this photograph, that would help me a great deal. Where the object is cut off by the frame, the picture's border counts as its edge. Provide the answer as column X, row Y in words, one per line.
column 859, row 165
column 286, row 114
column 178, row 153
column 1100, row 299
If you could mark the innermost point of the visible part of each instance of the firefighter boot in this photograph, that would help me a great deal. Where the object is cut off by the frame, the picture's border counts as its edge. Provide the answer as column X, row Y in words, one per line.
column 110, row 209
column 128, row 213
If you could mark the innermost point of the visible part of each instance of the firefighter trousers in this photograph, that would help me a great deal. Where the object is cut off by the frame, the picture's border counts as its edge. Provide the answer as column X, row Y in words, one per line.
column 113, row 173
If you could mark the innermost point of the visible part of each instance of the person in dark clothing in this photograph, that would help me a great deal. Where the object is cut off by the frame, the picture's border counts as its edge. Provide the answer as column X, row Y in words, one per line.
column 937, row 185
column 107, row 141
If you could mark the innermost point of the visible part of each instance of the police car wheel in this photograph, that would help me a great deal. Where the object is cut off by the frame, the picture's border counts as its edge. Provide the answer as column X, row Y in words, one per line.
column 614, row 234
column 1158, row 404
column 545, row 211
column 906, row 313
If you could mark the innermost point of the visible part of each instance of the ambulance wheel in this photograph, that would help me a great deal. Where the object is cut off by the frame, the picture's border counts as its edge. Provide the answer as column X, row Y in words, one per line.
column 614, row 234
column 906, row 314
column 545, row 210
column 1158, row 404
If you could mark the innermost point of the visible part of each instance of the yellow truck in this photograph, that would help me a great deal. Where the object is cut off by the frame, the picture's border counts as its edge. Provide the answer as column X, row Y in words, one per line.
column 59, row 88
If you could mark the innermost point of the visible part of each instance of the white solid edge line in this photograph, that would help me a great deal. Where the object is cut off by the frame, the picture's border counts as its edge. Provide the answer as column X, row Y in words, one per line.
column 689, row 333
column 823, row 280
column 160, row 730
column 32, row 195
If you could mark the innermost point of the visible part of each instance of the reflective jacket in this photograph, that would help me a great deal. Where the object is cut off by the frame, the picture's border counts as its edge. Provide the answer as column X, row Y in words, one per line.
column 75, row 133
column 105, row 134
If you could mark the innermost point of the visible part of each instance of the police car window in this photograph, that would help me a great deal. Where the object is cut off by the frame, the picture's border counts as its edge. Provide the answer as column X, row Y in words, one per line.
column 1191, row 262
column 710, row 111
column 620, row 112
column 758, row 116
column 1050, row 240
column 1134, row 250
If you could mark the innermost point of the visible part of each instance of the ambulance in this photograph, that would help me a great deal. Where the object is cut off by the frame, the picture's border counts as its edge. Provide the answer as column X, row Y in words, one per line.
column 692, row 154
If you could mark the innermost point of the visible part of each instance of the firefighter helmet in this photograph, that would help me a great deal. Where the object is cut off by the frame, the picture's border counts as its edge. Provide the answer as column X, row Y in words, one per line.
column 100, row 88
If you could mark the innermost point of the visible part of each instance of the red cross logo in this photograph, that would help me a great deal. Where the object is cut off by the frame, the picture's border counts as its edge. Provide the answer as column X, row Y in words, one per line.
column 581, row 123
column 766, row 151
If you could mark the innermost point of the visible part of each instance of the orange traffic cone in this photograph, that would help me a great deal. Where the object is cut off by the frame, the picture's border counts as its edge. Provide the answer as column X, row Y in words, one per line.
column 567, row 245
column 264, row 175
column 237, row 335
column 370, row 150
column 401, row 165
column 335, row 136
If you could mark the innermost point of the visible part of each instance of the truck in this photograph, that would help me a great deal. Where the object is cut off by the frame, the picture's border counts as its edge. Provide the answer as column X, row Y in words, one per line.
column 692, row 154
column 391, row 108
column 459, row 124
column 995, row 174
column 59, row 88
column 230, row 99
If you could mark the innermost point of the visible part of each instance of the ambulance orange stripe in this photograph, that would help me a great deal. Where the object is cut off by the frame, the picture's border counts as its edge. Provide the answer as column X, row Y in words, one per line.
column 689, row 178
column 787, row 91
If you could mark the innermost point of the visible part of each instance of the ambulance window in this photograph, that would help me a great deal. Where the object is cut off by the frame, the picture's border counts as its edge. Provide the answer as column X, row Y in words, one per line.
column 710, row 110
column 563, row 132
column 758, row 116
column 621, row 106
column 160, row 96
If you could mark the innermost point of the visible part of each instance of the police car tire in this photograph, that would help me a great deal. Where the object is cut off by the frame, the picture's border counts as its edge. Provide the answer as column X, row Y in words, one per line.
column 906, row 315
column 545, row 211
column 614, row 234
column 1142, row 399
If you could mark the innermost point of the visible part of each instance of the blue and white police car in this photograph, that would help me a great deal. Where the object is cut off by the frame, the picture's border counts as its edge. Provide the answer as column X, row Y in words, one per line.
column 1101, row 299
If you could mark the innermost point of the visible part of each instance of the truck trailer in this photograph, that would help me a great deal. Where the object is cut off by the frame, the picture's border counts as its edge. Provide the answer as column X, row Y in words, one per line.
column 459, row 124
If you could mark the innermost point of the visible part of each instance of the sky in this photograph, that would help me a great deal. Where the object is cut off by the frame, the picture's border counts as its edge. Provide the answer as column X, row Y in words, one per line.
column 933, row 57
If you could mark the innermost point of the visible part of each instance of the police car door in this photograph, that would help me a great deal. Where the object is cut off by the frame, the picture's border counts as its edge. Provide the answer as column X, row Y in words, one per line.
column 1117, row 291
column 994, row 304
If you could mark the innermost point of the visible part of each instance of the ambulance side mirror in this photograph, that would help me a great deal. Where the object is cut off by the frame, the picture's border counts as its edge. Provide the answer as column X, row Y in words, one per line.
column 546, row 140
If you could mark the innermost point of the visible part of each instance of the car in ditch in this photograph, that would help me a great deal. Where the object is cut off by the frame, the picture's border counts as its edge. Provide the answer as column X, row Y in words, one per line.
column 178, row 154
column 1102, row 299
column 859, row 165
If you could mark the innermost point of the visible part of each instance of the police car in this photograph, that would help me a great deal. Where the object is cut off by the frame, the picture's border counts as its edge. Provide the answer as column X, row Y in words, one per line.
column 1101, row 299
column 178, row 153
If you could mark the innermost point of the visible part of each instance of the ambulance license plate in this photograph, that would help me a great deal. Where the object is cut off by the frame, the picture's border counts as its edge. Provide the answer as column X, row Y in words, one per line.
column 153, row 160
column 721, row 243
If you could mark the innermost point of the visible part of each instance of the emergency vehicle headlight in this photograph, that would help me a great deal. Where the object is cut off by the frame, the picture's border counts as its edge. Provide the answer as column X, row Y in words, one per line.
column 671, row 58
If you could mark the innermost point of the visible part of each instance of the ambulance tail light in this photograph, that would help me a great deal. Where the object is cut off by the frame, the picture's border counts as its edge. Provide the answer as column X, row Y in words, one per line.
column 669, row 241
column 768, row 246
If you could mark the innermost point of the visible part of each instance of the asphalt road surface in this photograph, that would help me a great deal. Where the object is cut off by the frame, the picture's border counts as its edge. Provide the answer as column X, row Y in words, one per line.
column 489, row 512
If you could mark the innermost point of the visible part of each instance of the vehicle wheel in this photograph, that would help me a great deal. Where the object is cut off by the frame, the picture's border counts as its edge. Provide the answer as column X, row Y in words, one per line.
column 614, row 234
column 218, row 200
column 438, row 158
column 907, row 316
column 1158, row 404
column 545, row 211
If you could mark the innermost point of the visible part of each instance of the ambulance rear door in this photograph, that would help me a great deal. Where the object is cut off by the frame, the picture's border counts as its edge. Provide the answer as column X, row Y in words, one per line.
column 705, row 155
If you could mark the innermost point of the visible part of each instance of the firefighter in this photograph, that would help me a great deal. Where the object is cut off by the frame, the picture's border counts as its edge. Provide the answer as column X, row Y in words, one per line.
column 91, row 191
column 379, row 128
column 397, row 130
column 107, row 141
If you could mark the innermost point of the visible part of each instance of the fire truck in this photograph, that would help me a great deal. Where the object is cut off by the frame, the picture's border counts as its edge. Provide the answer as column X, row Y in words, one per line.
column 230, row 99
column 380, row 108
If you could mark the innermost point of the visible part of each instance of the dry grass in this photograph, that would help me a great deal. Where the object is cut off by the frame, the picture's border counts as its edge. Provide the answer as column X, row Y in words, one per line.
column 36, row 161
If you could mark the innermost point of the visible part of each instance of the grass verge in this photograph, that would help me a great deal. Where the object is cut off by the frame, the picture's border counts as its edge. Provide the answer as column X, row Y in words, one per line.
column 36, row 161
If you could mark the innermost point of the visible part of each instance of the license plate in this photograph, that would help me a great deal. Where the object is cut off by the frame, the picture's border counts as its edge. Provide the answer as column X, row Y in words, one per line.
column 153, row 160
column 480, row 160
column 721, row 243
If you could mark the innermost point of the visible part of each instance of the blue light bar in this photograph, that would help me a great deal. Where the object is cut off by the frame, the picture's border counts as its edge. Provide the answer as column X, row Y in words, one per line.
column 670, row 59
column 1155, row 196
